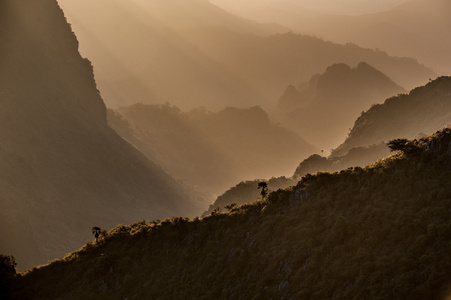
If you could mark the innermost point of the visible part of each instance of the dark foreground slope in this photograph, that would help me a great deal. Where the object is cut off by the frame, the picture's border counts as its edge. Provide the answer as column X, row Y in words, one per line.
column 62, row 169
column 379, row 232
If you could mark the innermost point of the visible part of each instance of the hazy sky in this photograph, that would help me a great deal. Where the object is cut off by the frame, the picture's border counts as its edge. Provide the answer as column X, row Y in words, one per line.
column 319, row 6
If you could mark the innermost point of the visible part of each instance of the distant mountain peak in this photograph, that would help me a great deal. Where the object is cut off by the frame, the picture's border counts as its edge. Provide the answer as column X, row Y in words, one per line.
column 322, row 110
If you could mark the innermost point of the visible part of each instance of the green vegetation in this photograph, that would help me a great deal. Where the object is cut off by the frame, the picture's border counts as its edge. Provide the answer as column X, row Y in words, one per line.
column 379, row 232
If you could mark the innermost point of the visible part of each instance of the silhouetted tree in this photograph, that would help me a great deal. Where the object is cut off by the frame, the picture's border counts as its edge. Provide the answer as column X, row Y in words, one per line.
column 404, row 145
column 96, row 231
column 7, row 264
column 7, row 275
column 264, row 189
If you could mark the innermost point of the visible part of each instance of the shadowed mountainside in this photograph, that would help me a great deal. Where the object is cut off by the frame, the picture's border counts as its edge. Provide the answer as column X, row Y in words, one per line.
column 419, row 113
column 424, row 110
column 323, row 109
column 63, row 170
column 211, row 150
column 157, row 51
column 379, row 232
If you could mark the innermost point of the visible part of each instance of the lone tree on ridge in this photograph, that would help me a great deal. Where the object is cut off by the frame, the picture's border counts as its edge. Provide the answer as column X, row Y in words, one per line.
column 264, row 189
column 96, row 231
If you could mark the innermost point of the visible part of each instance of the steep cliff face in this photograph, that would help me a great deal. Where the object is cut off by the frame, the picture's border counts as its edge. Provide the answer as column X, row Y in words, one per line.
column 62, row 169
column 40, row 58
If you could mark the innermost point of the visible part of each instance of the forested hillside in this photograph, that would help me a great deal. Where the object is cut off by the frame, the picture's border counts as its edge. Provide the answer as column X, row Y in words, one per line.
column 379, row 232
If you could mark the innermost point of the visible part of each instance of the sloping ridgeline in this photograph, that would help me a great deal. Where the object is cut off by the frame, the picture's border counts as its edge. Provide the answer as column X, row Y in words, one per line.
column 417, row 114
column 62, row 169
column 421, row 112
column 379, row 232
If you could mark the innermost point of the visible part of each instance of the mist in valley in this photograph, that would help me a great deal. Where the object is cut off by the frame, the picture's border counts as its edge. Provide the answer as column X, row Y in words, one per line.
column 255, row 9
column 414, row 28
column 113, row 112
column 192, row 53
column 199, row 55
column 242, row 144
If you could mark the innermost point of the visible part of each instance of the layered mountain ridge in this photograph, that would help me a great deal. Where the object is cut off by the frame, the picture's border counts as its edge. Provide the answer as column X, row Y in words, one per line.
column 63, row 170
column 322, row 109
column 214, row 61
column 414, row 115
column 418, row 113
column 194, row 145
column 402, row 27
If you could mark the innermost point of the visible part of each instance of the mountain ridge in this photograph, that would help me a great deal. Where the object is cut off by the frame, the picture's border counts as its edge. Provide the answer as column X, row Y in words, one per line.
column 212, row 66
column 335, row 235
column 193, row 145
column 407, row 29
column 420, row 112
column 322, row 109
column 62, row 168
